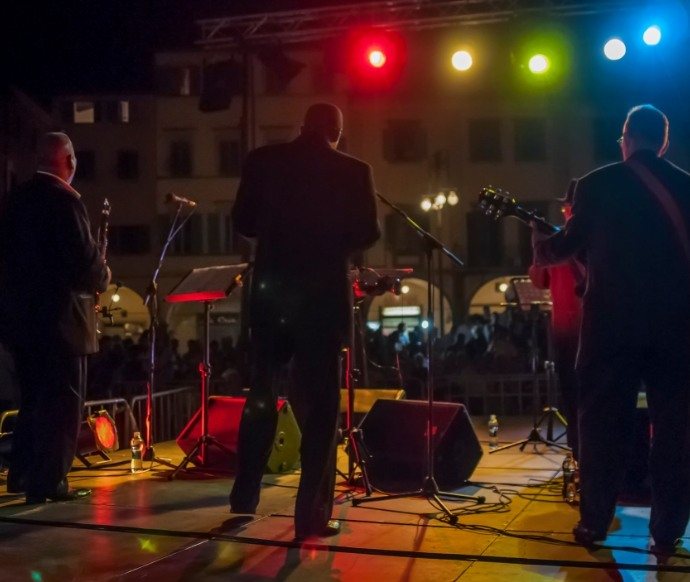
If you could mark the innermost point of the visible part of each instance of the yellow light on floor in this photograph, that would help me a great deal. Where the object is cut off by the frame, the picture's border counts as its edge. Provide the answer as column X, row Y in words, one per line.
column 461, row 60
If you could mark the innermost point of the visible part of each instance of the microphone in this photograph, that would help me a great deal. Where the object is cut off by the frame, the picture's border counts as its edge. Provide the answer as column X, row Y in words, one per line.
column 174, row 198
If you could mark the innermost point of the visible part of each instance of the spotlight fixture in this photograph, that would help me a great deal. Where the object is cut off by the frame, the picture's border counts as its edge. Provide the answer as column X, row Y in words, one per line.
column 426, row 204
column 652, row 36
column 539, row 64
column 614, row 49
column 461, row 60
column 377, row 58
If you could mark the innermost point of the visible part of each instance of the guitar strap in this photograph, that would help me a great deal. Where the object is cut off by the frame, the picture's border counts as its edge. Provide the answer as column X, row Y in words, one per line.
column 667, row 202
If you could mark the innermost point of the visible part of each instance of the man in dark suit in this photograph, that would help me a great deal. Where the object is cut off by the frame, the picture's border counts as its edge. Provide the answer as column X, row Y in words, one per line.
column 48, row 260
column 310, row 207
column 635, row 327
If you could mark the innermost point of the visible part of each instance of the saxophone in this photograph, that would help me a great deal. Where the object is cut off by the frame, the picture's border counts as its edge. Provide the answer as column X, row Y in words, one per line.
column 102, row 239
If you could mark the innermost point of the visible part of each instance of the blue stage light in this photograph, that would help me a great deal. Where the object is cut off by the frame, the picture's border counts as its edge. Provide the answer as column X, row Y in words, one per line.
column 614, row 49
column 652, row 36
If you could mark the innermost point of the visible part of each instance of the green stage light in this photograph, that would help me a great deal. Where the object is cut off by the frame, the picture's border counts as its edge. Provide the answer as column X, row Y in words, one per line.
column 539, row 64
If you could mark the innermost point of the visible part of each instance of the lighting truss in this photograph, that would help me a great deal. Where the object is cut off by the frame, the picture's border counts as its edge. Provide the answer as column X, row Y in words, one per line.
column 304, row 25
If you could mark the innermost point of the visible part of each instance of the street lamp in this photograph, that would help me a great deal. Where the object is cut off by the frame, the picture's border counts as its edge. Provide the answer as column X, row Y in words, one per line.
column 449, row 197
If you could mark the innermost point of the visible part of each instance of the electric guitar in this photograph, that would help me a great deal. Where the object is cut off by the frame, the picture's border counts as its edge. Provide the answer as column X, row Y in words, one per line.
column 497, row 203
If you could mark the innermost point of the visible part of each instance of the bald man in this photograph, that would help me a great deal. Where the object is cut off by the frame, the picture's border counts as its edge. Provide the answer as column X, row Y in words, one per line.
column 310, row 207
column 50, row 268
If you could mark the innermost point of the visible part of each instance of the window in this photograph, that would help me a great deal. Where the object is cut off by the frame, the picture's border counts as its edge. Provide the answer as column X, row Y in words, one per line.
column 86, row 165
column 404, row 141
column 129, row 240
column 128, row 164
column 605, row 133
column 485, row 140
column 277, row 134
column 485, row 240
column 400, row 238
column 229, row 157
column 84, row 112
column 189, row 241
column 182, row 81
column 530, row 140
column 180, row 160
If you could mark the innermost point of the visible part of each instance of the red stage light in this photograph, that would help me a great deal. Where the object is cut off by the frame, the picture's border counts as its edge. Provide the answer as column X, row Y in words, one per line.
column 377, row 58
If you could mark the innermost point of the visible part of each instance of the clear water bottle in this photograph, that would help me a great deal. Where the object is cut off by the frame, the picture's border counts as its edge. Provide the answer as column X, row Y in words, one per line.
column 137, row 444
column 493, row 431
column 570, row 479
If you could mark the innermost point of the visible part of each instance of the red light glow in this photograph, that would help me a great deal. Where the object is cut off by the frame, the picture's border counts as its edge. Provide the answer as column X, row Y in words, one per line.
column 377, row 58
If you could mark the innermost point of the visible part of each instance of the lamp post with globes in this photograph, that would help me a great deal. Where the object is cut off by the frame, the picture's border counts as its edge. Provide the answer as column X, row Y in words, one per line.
column 443, row 198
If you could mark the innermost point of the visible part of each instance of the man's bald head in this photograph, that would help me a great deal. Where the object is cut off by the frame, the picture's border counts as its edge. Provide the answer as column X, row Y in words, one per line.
column 324, row 120
column 56, row 155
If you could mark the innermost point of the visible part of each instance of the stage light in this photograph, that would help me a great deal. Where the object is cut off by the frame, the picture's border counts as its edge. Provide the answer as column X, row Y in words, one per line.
column 614, row 49
column 405, row 289
column 425, row 324
column 426, row 204
column 115, row 297
column 502, row 287
column 440, row 199
column 652, row 36
column 538, row 64
column 377, row 58
column 461, row 60
column 453, row 198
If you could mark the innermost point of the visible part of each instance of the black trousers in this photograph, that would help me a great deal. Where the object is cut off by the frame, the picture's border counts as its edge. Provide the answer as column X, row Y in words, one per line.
column 565, row 353
column 609, row 385
column 52, row 390
column 316, row 401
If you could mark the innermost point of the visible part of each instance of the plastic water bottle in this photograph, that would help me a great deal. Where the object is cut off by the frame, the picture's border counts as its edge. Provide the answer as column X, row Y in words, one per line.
column 493, row 431
column 137, row 445
column 570, row 479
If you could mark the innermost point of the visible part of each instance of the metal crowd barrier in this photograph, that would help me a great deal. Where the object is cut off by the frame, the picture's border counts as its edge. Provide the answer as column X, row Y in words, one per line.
column 516, row 394
column 172, row 409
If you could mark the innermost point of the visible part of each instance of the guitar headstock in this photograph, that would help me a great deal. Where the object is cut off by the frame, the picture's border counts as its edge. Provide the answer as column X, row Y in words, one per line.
column 496, row 203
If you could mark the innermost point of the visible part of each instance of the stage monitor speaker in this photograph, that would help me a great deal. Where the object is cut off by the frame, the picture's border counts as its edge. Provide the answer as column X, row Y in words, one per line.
column 224, row 413
column 394, row 435
column 365, row 399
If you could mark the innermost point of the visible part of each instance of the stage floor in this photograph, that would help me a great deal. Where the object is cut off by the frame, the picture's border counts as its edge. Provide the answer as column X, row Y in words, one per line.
column 144, row 527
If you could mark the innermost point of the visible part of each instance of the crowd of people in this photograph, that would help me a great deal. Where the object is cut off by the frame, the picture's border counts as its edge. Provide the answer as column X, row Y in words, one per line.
column 121, row 368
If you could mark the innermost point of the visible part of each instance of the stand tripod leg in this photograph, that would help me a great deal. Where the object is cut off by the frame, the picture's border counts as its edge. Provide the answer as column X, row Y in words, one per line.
column 183, row 465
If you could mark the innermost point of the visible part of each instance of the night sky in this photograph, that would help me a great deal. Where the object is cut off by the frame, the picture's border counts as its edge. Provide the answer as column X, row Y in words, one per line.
column 104, row 45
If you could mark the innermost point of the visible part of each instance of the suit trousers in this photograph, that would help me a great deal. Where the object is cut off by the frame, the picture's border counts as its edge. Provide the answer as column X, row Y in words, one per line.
column 565, row 353
column 52, row 391
column 315, row 398
column 609, row 385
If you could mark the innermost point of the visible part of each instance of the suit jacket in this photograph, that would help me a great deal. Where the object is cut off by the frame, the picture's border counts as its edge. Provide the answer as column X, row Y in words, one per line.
column 47, row 254
column 309, row 207
column 638, row 280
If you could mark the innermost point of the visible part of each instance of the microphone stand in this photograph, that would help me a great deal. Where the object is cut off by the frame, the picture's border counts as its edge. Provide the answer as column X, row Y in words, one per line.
column 151, row 300
column 429, row 489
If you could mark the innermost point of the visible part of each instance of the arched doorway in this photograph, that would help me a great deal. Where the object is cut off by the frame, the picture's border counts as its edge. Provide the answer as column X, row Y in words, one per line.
column 492, row 295
column 410, row 307
column 130, row 317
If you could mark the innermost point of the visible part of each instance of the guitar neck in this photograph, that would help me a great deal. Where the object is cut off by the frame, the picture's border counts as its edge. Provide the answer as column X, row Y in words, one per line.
column 529, row 216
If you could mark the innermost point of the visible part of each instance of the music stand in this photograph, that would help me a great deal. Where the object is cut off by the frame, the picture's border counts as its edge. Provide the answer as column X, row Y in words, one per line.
column 206, row 285
column 538, row 302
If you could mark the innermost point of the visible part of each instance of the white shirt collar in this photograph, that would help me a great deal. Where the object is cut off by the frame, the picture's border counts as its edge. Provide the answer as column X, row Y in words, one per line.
column 65, row 184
